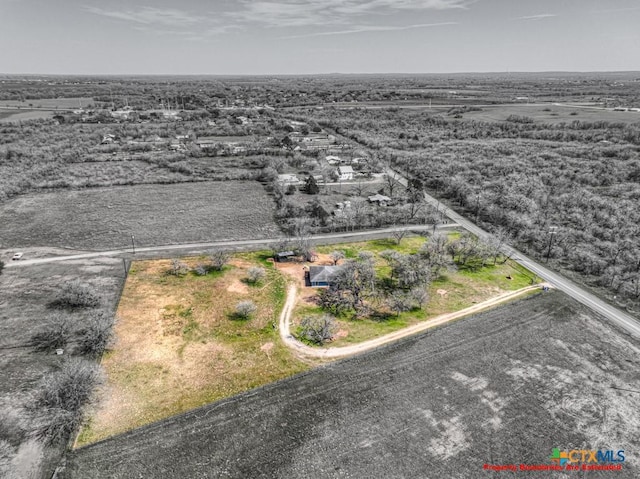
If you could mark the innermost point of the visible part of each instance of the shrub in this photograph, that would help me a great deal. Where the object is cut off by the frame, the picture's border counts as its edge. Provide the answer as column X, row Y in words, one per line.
column 244, row 309
column 255, row 274
column 55, row 334
column 1, row 266
column 96, row 336
column 201, row 269
column 76, row 294
column 219, row 259
column 317, row 329
column 62, row 395
column 177, row 268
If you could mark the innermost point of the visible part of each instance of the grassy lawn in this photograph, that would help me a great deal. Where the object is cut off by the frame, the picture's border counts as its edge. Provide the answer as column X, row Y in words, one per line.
column 452, row 291
column 178, row 346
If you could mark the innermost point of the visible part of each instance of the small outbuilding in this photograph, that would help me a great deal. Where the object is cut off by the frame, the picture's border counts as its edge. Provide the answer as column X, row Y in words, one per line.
column 381, row 200
column 345, row 173
column 284, row 256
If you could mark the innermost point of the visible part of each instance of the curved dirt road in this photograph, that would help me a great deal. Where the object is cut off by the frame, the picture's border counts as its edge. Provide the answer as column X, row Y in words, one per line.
column 339, row 352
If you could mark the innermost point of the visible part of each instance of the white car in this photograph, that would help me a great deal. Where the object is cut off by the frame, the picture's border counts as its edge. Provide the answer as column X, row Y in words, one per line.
column 17, row 256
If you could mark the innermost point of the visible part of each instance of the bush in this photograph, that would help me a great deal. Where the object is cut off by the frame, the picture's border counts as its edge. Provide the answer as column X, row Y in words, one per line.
column 219, row 259
column 201, row 269
column 244, row 309
column 1, row 266
column 76, row 294
column 55, row 334
column 177, row 268
column 96, row 336
column 255, row 274
column 317, row 329
column 62, row 395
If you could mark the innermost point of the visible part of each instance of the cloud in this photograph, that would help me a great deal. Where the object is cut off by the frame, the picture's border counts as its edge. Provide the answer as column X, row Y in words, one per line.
column 540, row 16
column 372, row 28
column 148, row 16
column 299, row 13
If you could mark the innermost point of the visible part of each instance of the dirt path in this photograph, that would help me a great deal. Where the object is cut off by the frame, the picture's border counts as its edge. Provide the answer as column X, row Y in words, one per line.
column 338, row 352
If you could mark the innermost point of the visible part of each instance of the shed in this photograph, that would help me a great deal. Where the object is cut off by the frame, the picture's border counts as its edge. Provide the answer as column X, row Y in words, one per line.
column 345, row 172
column 382, row 200
column 284, row 255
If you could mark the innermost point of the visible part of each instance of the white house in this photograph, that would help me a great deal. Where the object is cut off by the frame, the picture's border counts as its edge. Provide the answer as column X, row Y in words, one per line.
column 287, row 179
column 345, row 173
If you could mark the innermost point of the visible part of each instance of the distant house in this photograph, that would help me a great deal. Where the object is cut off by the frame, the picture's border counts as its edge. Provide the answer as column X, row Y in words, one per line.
column 332, row 160
column 207, row 142
column 345, row 173
column 320, row 276
column 288, row 179
column 381, row 200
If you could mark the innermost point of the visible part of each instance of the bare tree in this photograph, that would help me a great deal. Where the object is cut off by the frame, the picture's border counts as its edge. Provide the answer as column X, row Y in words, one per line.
column 399, row 302
column 96, row 336
column 399, row 234
column 356, row 278
column 336, row 256
column 219, row 259
column 390, row 182
column 317, row 329
column 419, row 296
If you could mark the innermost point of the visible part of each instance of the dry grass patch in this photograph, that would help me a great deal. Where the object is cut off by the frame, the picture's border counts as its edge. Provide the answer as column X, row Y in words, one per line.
column 178, row 346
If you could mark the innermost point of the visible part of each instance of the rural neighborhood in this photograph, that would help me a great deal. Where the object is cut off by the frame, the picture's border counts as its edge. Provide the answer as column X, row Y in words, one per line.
column 319, row 240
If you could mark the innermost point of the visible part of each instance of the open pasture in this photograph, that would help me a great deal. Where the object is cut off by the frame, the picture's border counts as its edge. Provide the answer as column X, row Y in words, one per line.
column 104, row 218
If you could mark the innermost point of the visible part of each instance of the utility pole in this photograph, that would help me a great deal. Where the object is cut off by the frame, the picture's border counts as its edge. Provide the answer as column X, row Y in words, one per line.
column 552, row 231
column 133, row 243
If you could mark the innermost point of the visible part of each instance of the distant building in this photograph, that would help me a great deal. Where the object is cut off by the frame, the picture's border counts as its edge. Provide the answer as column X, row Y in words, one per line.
column 284, row 256
column 381, row 200
column 288, row 179
column 345, row 173
column 320, row 276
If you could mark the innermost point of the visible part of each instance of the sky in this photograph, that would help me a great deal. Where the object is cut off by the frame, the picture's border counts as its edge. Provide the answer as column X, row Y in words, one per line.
column 225, row 37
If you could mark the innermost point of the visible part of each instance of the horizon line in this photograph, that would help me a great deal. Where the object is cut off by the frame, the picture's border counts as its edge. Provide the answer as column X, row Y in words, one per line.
column 470, row 72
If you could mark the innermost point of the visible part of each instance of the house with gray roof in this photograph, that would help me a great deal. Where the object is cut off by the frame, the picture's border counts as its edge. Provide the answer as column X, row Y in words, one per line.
column 322, row 275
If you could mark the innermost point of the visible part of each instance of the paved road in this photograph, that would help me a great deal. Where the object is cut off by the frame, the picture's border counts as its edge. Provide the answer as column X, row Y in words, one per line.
column 613, row 314
column 316, row 239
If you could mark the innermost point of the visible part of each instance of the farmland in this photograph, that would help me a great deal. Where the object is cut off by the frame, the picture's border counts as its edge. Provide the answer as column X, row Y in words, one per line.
column 105, row 218
column 504, row 387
